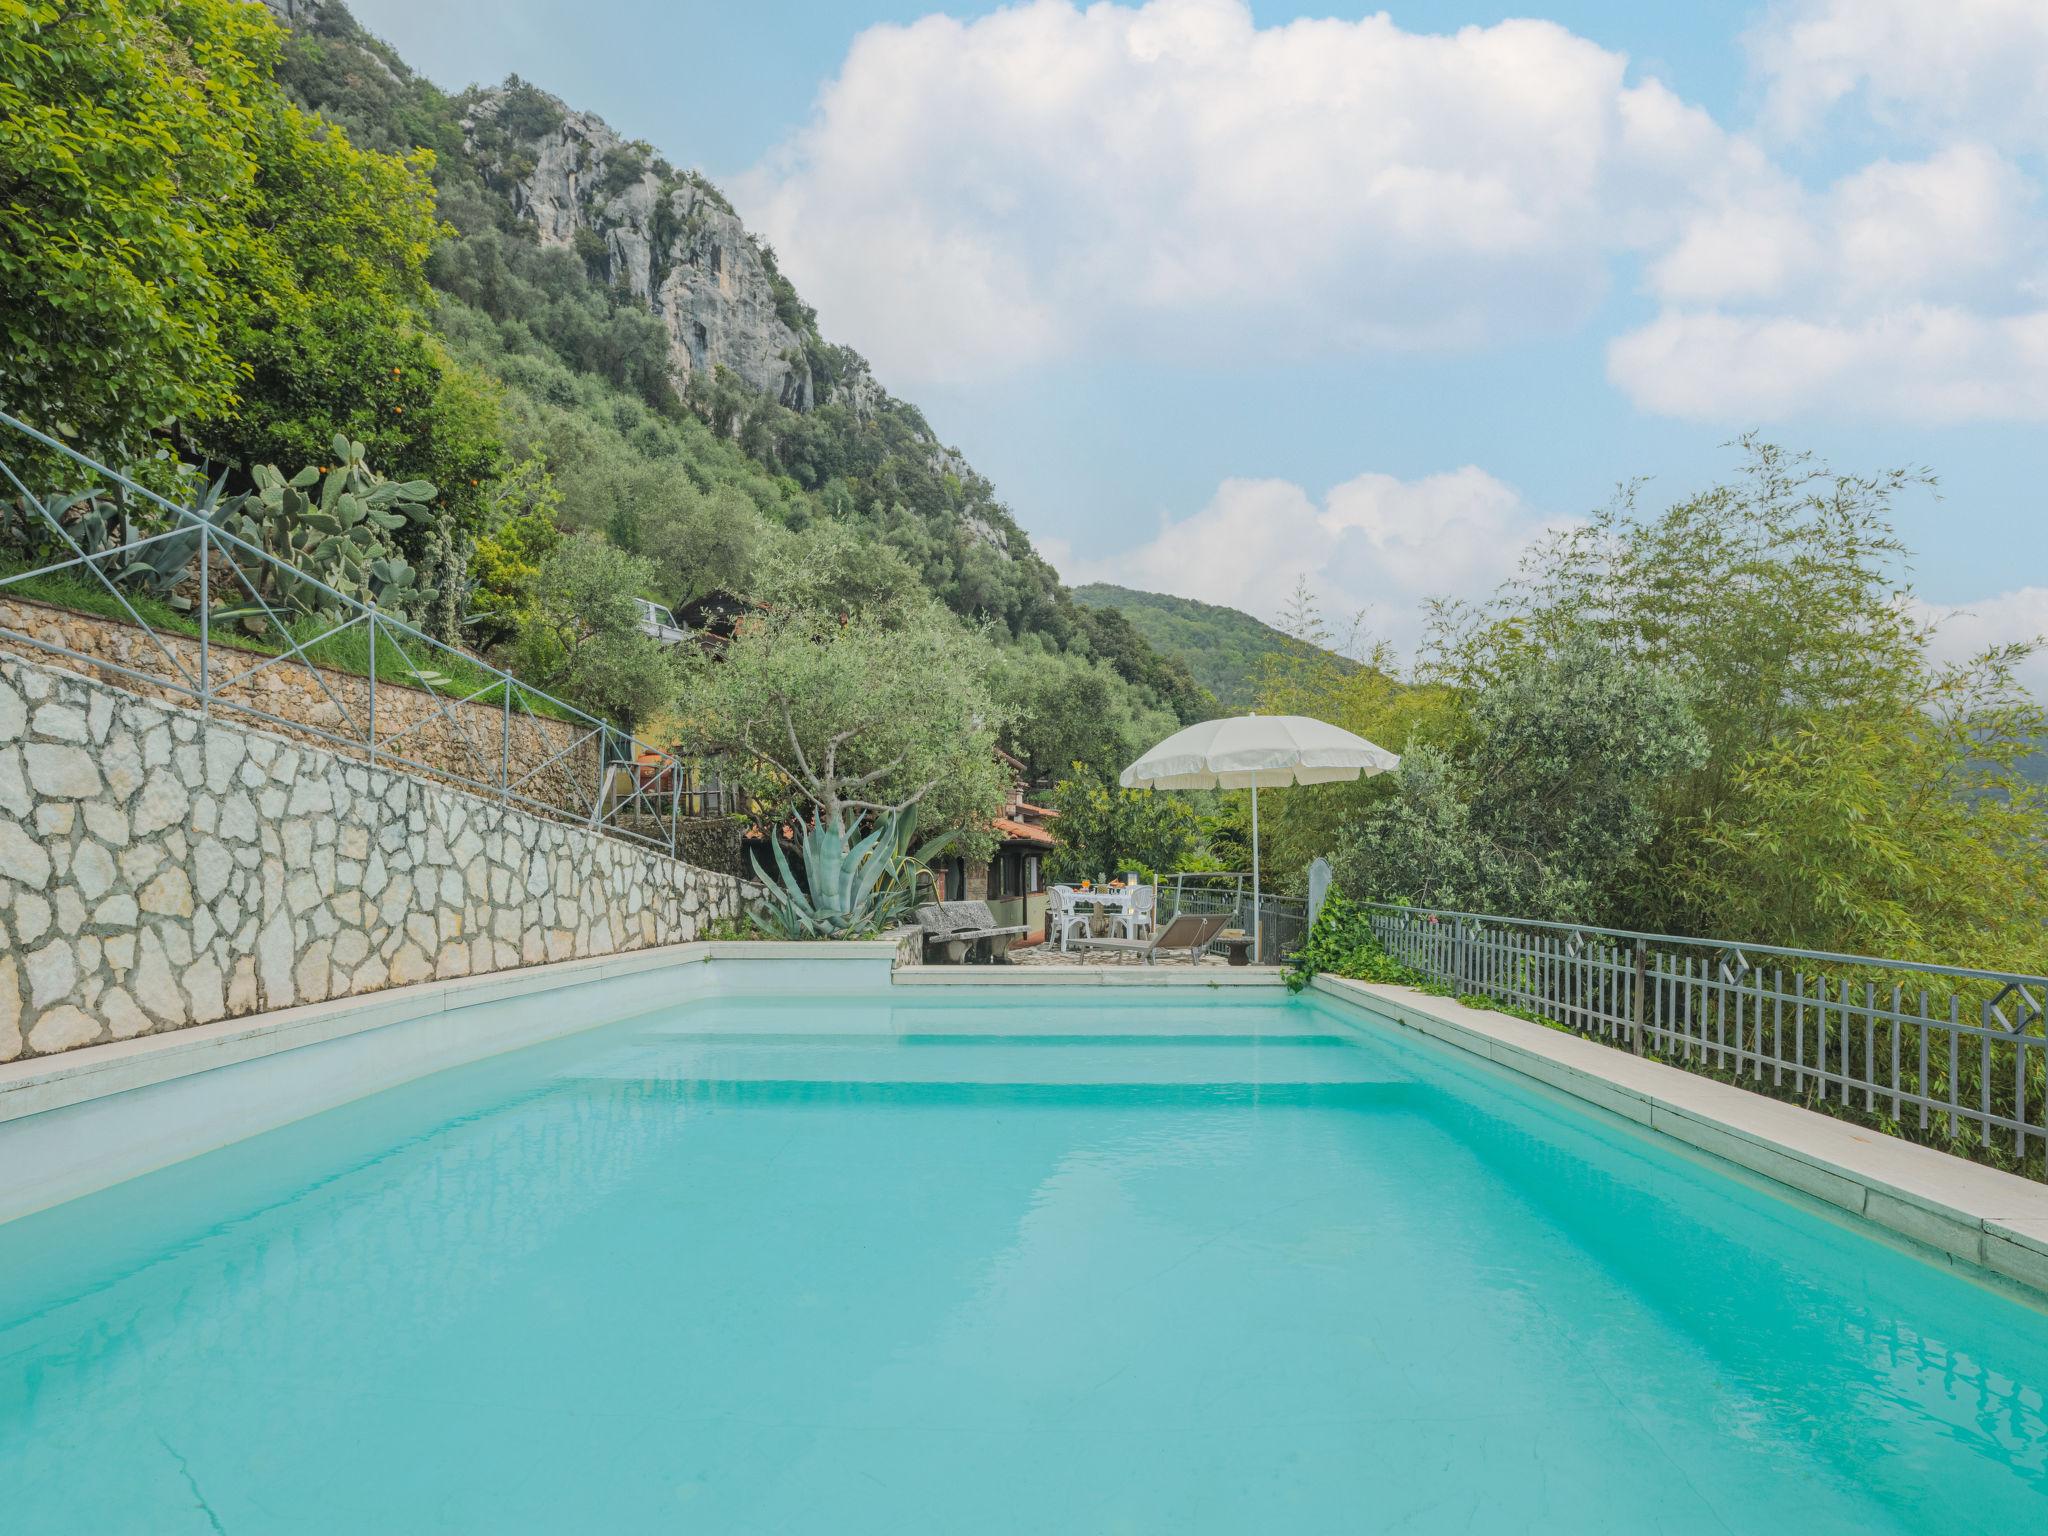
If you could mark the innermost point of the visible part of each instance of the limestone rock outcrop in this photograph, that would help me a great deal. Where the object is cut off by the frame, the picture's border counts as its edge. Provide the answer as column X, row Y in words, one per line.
column 668, row 236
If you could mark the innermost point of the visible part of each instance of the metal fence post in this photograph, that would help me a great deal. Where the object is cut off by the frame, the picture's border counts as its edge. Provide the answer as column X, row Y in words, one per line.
column 505, row 750
column 373, row 683
column 205, row 628
column 1639, row 1002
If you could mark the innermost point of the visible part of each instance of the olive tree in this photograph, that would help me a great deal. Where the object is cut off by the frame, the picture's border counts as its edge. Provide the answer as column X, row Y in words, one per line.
column 854, row 715
column 581, row 637
column 1548, row 812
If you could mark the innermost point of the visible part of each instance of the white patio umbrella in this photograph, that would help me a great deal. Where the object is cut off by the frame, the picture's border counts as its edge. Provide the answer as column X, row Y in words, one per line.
column 1247, row 751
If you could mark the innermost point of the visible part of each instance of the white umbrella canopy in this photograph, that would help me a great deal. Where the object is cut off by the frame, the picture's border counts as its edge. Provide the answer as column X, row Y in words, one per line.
column 1247, row 751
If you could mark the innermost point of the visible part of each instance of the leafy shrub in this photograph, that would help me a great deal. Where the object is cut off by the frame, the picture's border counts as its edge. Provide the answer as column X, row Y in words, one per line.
column 1104, row 827
column 1342, row 943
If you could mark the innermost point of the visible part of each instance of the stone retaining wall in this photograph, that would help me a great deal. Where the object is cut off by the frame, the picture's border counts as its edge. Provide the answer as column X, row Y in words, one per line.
column 437, row 737
column 157, row 871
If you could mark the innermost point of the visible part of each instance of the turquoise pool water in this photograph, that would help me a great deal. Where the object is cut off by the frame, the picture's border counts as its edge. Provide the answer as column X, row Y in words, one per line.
column 1080, row 1263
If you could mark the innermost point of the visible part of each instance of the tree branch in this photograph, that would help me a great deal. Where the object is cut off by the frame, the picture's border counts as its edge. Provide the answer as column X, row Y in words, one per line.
column 747, row 743
column 860, row 779
column 900, row 805
column 789, row 721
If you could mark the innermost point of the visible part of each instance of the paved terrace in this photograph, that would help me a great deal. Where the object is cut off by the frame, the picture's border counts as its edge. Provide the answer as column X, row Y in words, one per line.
column 1050, row 955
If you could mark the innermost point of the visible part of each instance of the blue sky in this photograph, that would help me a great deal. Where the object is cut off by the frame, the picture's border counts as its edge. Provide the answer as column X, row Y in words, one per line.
column 1377, row 302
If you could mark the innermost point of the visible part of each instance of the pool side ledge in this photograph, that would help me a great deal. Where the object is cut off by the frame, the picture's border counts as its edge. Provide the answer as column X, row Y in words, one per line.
column 1992, row 1221
column 85, row 1119
column 1132, row 975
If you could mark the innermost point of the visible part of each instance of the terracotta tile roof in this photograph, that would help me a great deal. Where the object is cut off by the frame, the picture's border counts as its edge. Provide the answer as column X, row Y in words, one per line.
column 1037, row 810
column 1022, row 831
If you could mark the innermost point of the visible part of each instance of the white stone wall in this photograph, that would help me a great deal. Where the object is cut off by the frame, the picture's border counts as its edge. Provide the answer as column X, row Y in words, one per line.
column 554, row 762
column 156, row 873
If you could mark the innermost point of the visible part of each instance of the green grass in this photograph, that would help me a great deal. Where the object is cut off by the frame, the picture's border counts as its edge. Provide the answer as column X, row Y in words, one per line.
column 450, row 673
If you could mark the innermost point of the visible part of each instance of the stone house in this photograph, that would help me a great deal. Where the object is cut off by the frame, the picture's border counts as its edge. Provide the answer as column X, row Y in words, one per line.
column 1012, row 879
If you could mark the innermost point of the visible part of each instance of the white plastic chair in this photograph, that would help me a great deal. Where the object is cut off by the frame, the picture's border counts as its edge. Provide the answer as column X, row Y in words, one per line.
column 1136, row 918
column 1062, row 917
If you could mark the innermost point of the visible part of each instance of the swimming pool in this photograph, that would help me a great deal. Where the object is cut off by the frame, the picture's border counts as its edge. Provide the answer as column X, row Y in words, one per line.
column 992, row 1261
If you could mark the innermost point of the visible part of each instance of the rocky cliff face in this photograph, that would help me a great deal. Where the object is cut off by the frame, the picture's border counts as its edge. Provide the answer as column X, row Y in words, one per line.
column 667, row 236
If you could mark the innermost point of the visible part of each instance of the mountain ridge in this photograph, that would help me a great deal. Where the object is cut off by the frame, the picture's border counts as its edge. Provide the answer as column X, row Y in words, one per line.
column 1221, row 646
column 667, row 240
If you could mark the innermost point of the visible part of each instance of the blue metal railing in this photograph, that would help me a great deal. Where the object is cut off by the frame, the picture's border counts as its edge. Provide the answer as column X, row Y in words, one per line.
column 508, row 739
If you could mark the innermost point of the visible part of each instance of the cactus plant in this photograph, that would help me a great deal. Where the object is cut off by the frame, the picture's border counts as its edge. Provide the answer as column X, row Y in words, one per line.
column 341, row 538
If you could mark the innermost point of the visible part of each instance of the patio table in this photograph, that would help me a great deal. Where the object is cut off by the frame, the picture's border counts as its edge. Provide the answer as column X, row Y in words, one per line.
column 1107, row 901
column 1102, row 896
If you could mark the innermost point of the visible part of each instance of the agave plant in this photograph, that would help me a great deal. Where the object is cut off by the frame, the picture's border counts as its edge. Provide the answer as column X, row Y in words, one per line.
column 79, row 514
column 161, row 568
column 843, row 893
column 909, row 867
column 851, row 886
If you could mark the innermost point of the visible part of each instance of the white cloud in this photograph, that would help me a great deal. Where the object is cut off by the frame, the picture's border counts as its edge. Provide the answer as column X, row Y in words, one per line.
column 1752, row 249
column 1950, row 225
column 1170, row 177
column 1916, row 363
column 1905, row 290
column 1969, row 629
column 1375, row 543
column 1171, row 180
column 1940, row 66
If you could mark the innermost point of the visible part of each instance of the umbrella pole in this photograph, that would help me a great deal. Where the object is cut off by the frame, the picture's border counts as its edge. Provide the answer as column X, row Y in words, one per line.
column 1256, row 956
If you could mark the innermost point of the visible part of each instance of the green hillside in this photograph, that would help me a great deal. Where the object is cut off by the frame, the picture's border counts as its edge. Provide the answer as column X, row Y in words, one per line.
column 723, row 483
column 1221, row 646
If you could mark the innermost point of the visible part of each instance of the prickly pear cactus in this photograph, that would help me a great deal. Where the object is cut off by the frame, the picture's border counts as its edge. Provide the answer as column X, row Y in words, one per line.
column 333, row 526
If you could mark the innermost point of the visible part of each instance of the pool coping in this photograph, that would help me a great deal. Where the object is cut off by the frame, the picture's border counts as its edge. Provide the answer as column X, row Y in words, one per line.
column 1977, row 1216
column 40, row 1083
column 1084, row 976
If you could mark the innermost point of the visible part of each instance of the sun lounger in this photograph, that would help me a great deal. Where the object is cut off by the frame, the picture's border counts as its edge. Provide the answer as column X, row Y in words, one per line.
column 1186, row 932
